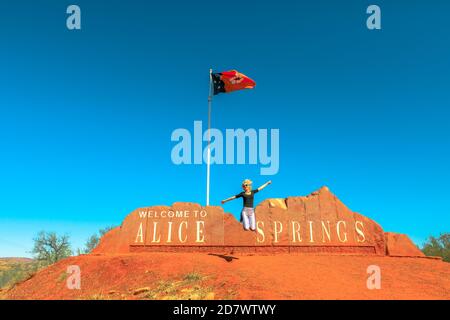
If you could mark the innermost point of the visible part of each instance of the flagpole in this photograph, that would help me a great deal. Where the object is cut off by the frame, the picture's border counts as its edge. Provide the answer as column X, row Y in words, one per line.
column 208, row 164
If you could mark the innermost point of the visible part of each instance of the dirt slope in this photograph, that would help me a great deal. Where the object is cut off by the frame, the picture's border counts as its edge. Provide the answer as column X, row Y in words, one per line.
column 203, row 276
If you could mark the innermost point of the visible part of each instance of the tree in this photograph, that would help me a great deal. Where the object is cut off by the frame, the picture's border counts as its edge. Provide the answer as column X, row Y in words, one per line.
column 91, row 243
column 93, row 240
column 50, row 248
column 438, row 246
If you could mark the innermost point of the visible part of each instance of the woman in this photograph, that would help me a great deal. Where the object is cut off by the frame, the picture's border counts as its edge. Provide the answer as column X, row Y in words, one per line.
column 248, row 212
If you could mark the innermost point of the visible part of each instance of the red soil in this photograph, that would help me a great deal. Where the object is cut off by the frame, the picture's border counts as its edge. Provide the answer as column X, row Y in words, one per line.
column 280, row 276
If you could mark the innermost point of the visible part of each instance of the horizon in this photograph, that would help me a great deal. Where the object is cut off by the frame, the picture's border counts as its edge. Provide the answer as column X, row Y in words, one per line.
column 86, row 116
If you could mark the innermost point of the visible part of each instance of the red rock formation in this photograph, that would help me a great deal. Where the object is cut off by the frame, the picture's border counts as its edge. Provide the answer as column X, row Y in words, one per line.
column 400, row 245
column 111, row 242
column 316, row 223
column 319, row 222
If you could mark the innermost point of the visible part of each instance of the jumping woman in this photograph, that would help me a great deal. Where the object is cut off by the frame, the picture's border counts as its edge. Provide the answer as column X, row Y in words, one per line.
column 248, row 211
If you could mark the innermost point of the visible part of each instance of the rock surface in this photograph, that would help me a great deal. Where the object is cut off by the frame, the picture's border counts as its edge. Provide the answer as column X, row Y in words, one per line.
column 400, row 245
column 318, row 223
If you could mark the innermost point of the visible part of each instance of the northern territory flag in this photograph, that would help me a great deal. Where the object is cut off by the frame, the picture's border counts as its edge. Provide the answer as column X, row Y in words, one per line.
column 229, row 81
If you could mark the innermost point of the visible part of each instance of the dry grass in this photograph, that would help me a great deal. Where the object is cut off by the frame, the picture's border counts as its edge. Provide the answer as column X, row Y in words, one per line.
column 190, row 287
column 14, row 270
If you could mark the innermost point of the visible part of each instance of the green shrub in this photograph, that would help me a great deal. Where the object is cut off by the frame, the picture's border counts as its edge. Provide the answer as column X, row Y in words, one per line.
column 439, row 247
column 17, row 272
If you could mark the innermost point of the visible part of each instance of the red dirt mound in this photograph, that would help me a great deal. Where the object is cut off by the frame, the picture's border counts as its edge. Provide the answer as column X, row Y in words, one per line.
column 201, row 276
column 400, row 245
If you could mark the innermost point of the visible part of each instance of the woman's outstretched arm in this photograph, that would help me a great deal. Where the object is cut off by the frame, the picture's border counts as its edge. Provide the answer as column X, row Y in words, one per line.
column 265, row 185
column 229, row 199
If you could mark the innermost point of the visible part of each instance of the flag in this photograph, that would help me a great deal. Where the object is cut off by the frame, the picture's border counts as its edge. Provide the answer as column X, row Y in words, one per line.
column 229, row 81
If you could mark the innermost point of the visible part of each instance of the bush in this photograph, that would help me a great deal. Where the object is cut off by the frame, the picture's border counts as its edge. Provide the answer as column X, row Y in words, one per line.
column 439, row 247
column 50, row 248
column 17, row 272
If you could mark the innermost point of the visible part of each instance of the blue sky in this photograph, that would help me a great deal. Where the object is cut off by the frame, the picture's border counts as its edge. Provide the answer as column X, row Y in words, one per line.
column 86, row 116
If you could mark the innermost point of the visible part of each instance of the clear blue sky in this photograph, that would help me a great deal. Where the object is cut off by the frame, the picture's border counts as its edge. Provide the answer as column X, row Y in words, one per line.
column 86, row 116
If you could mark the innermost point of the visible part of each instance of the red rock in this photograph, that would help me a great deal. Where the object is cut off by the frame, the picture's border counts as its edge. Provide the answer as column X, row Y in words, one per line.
column 110, row 243
column 400, row 245
column 317, row 223
column 323, row 223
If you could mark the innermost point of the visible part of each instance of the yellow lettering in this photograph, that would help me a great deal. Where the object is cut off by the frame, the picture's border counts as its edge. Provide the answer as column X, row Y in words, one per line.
column 277, row 228
column 360, row 231
column 155, row 226
column 260, row 231
column 311, row 237
column 296, row 231
column 326, row 231
column 140, row 235
column 200, row 236
column 180, row 231
column 169, row 232
column 339, row 231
